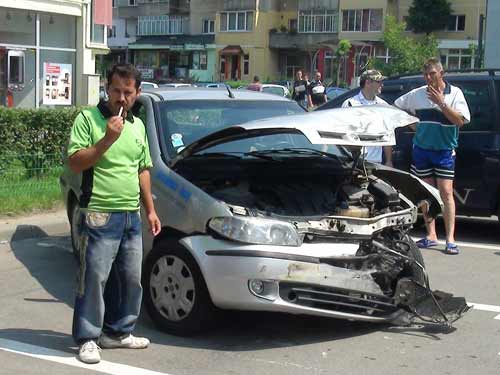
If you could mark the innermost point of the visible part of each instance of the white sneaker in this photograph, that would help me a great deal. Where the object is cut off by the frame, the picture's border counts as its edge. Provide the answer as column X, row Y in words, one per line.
column 128, row 342
column 89, row 352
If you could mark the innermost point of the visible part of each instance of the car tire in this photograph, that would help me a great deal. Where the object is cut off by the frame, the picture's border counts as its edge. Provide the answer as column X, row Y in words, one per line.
column 74, row 217
column 175, row 293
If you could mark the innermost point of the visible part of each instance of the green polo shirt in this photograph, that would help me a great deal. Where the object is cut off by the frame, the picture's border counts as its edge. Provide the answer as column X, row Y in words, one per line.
column 112, row 184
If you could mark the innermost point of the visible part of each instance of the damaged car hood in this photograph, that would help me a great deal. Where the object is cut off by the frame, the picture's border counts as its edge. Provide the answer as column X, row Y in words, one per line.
column 353, row 126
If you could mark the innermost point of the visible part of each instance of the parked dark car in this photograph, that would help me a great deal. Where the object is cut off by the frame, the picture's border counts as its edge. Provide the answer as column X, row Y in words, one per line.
column 477, row 184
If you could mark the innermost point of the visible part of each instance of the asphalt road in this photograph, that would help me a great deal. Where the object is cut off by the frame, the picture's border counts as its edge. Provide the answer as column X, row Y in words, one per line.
column 37, row 274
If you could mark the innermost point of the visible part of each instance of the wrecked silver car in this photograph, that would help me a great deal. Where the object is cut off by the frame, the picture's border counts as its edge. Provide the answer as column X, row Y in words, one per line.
column 282, row 214
column 277, row 215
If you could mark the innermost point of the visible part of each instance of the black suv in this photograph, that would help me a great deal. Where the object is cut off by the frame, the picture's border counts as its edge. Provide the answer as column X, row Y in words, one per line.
column 477, row 183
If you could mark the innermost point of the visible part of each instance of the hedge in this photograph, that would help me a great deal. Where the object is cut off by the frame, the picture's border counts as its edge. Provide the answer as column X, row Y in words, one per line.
column 31, row 134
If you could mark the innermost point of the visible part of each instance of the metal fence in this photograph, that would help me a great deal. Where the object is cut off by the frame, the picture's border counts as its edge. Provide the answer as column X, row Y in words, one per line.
column 26, row 180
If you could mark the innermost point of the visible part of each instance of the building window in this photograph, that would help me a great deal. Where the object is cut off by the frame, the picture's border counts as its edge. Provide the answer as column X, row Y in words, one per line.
column 292, row 24
column 457, row 59
column 208, row 26
column 312, row 21
column 456, row 23
column 364, row 20
column 113, row 3
column 160, row 25
column 132, row 3
column 246, row 64
column 97, row 32
column 236, row 21
column 381, row 54
column 112, row 32
column 199, row 60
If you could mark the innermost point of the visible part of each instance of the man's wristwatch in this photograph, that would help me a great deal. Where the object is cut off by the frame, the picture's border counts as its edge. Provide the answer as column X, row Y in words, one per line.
column 442, row 105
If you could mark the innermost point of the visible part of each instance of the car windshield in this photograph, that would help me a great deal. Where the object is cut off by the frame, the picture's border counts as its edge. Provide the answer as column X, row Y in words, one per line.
column 186, row 121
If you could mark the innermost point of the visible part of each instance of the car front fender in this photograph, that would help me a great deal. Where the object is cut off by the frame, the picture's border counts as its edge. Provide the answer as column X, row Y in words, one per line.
column 412, row 187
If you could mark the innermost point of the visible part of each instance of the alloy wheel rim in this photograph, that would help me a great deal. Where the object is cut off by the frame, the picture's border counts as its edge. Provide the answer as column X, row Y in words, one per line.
column 172, row 288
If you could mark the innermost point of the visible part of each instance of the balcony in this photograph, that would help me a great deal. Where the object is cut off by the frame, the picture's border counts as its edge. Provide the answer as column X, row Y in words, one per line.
column 131, row 9
column 301, row 40
column 161, row 25
column 315, row 27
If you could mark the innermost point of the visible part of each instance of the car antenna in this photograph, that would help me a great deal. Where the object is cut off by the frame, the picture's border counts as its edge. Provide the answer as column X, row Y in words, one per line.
column 231, row 95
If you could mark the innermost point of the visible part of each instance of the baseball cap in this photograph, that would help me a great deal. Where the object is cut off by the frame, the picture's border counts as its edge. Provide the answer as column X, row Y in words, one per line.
column 373, row 75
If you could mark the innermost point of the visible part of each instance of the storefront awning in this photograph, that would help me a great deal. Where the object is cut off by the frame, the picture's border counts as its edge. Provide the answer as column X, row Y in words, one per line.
column 231, row 50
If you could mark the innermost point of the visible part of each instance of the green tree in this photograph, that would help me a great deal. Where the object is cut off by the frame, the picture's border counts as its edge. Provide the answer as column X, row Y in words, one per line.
column 341, row 51
column 408, row 54
column 426, row 16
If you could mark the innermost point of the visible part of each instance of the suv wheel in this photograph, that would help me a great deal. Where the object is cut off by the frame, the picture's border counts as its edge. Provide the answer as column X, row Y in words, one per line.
column 175, row 292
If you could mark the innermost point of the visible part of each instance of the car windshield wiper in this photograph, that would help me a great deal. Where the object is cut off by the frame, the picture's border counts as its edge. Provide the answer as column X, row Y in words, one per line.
column 235, row 155
column 291, row 151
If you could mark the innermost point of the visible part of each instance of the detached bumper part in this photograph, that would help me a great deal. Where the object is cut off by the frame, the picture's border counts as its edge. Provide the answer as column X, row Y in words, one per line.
column 435, row 307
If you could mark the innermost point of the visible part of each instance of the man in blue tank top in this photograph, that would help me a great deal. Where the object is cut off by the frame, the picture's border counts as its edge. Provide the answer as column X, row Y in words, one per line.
column 442, row 111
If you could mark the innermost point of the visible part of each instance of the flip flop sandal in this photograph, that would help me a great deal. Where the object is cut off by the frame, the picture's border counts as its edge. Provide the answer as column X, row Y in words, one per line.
column 451, row 249
column 425, row 243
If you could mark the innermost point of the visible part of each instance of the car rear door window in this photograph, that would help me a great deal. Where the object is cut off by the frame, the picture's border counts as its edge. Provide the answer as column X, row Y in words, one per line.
column 480, row 100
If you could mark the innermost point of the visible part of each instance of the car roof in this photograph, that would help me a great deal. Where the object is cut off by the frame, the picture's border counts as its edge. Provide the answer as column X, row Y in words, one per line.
column 203, row 93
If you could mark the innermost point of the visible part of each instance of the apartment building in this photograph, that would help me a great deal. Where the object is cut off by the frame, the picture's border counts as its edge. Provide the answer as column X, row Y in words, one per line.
column 362, row 23
column 236, row 39
column 48, row 50
column 306, row 36
column 165, row 39
column 455, row 42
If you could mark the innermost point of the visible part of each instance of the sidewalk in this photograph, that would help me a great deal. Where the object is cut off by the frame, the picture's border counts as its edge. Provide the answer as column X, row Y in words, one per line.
column 52, row 222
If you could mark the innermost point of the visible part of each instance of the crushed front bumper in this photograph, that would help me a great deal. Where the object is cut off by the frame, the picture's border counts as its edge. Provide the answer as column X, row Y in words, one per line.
column 297, row 280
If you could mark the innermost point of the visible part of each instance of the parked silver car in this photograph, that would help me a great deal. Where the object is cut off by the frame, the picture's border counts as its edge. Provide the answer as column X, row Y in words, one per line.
column 279, row 214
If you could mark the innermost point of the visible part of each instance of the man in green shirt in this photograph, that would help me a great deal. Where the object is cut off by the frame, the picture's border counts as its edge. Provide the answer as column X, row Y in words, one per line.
column 109, row 146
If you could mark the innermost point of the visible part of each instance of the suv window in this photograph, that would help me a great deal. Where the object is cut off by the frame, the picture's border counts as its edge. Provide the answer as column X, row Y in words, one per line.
column 479, row 99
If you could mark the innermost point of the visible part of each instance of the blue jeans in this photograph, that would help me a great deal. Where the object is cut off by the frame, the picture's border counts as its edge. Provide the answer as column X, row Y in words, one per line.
column 109, row 291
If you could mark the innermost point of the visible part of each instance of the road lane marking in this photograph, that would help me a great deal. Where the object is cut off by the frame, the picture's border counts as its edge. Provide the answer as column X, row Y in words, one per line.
column 64, row 358
column 467, row 244
column 483, row 307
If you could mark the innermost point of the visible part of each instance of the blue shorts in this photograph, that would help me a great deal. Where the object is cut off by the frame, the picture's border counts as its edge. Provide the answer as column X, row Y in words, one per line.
column 433, row 163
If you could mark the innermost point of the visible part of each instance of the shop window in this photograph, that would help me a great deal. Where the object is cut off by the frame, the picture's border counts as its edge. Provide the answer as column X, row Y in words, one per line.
column 50, row 31
column 292, row 24
column 208, row 26
column 195, row 61
column 366, row 20
column 203, row 60
column 456, row 23
column 17, row 26
column 246, row 64
column 479, row 100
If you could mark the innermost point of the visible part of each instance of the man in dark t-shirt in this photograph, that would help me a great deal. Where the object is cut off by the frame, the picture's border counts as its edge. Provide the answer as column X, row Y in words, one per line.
column 299, row 89
column 316, row 91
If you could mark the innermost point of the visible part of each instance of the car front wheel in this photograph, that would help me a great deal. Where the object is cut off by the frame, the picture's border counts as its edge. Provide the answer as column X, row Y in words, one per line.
column 175, row 292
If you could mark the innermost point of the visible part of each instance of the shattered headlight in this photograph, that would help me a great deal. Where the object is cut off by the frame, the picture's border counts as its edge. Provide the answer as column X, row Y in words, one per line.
column 256, row 230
